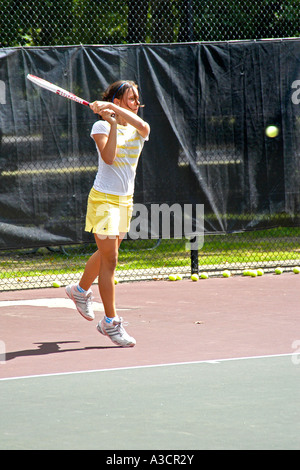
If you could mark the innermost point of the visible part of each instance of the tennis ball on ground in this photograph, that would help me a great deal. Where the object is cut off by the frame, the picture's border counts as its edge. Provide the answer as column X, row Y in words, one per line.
column 116, row 280
column 253, row 273
column 178, row 277
column 272, row 131
column 204, row 276
column 195, row 277
column 172, row 277
column 260, row 272
column 226, row 273
column 278, row 271
column 296, row 270
column 246, row 272
column 56, row 284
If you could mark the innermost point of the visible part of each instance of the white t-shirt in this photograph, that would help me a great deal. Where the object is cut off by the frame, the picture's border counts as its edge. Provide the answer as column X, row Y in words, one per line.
column 119, row 177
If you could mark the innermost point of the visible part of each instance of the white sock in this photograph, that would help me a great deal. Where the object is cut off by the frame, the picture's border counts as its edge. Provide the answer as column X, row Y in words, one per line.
column 80, row 289
column 110, row 320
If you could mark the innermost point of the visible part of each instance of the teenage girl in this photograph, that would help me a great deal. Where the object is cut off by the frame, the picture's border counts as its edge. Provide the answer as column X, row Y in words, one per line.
column 119, row 138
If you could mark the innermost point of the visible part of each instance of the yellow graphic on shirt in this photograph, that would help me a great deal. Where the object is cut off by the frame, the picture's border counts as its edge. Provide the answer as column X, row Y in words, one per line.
column 128, row 151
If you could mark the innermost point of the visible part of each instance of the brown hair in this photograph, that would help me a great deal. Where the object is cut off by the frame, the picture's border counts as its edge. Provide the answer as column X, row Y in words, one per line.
column 117, row 90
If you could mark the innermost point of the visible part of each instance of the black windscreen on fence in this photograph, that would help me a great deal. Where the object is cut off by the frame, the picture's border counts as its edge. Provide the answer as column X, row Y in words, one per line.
column 208, row 105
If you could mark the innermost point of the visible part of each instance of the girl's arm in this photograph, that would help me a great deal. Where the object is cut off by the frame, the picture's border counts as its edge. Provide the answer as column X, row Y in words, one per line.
column 130, row 117
column 107, row 144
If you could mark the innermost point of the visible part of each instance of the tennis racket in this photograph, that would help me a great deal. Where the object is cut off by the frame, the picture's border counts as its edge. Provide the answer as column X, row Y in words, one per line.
column 56, row 89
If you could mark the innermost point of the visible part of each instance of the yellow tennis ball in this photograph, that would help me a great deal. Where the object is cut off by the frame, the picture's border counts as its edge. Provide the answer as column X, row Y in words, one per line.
column 195, row 277
column 56, row 284
column 226, row 273
column 178, row 277
column 204, row 276
column 172, row 277
column 116, row 281
column 296, row 270
column 278, row 271
column 272, row 131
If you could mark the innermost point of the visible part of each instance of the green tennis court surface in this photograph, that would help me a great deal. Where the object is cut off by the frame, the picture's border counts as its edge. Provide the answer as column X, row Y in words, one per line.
column 248, row 403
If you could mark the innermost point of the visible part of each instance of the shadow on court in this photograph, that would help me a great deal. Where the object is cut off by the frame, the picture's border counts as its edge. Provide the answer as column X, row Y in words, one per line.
column 49, row 348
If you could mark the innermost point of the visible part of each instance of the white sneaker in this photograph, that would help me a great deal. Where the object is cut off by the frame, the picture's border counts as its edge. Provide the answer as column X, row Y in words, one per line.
column 83, row 301
column 116, row 332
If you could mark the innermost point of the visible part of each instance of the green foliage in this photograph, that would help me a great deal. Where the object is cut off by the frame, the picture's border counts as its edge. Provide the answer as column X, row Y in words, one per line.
column 73, row 22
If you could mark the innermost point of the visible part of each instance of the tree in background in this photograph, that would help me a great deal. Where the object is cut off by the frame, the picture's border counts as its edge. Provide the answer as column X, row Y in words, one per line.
column 73, row 22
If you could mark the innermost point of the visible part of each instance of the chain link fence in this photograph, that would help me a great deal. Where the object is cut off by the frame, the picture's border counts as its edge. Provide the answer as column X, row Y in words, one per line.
column 149, row 260
column 74, row 22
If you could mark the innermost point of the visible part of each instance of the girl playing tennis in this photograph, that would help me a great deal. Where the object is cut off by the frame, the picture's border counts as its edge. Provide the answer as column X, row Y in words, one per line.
column 119, row 138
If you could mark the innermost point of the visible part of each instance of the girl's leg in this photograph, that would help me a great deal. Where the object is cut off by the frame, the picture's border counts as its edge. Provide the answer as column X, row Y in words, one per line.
column 91, row 271
column 108, row 249
column 111, row 324
column 81, row 294
column 92, row 267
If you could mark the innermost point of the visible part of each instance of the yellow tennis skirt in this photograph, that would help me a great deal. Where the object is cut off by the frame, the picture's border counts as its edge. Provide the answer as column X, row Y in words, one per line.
column 108, row 214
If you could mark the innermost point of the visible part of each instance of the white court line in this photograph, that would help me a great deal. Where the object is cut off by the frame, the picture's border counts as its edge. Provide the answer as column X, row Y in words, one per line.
column 151, row 366
column 53, row 302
